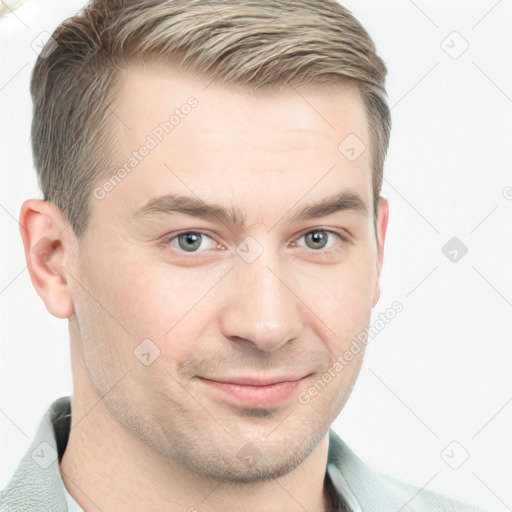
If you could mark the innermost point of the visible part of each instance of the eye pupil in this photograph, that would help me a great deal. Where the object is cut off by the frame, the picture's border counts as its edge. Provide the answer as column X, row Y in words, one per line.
column 316, row 239
column 190, row 241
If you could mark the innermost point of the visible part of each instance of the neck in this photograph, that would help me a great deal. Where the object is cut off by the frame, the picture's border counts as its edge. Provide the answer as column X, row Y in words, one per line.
column 105, row 467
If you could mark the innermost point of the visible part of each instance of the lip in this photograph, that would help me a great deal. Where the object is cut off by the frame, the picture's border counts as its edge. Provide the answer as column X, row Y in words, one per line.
column 255, row 391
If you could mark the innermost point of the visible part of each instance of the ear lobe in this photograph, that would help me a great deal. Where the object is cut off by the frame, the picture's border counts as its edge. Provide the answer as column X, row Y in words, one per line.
column 46, row 254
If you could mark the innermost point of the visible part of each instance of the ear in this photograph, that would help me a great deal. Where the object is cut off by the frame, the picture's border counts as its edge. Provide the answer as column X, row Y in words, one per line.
column 48, row 240
column 382, row 225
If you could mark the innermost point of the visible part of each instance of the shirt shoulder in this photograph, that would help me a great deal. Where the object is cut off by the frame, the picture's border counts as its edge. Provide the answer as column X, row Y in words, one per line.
column 36, row 484
column 371, row 490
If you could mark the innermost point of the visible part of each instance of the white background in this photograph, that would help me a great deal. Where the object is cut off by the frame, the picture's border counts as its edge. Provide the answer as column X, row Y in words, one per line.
column 441, row 371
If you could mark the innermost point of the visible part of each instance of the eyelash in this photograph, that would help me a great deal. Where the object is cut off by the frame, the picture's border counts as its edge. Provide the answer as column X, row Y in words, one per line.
column 344, row 239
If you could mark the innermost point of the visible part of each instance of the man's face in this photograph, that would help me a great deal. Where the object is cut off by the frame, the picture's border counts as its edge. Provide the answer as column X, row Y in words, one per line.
column 260, row 269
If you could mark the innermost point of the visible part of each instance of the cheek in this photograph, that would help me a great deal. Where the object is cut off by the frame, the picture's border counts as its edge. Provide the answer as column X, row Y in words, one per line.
column 135, row 304
column 341, row 296
column 164, row 303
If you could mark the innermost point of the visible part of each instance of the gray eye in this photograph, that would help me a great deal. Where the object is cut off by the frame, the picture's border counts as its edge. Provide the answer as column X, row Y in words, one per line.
column 190, row 242
column 317, row 239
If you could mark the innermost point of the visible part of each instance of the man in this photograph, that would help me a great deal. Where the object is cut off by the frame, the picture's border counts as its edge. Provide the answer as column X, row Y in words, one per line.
column 213, row 230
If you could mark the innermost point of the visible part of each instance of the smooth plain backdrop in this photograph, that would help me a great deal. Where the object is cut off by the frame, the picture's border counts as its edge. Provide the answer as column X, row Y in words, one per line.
column 433, row 404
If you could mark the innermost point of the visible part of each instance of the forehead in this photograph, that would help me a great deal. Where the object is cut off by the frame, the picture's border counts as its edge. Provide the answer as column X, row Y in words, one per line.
column 215, row 141
column 156, row 91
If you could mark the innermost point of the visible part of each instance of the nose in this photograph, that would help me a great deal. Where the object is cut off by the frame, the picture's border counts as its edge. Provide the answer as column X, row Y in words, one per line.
column 261, row 308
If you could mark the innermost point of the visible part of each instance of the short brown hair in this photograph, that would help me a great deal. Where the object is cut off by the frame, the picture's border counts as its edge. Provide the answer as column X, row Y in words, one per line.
column 254, row 44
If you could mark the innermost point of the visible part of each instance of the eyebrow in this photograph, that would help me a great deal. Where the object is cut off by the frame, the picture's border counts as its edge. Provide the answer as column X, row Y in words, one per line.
column 343, row 201
column 171, row 203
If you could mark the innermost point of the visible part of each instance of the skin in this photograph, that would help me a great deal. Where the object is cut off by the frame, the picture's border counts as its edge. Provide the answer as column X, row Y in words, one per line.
column 157, row 436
